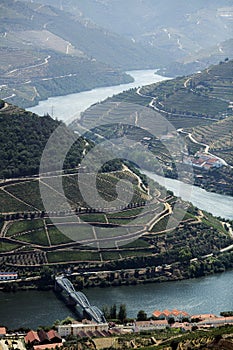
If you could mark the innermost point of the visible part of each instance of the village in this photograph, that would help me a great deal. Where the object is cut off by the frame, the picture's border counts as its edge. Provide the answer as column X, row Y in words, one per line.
column 56, row 337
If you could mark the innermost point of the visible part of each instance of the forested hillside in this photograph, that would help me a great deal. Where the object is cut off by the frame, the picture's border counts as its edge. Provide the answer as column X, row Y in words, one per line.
column 23, row 136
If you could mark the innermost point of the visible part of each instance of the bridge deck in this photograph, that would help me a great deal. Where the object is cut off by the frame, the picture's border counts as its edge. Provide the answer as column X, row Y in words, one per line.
column 79, row 298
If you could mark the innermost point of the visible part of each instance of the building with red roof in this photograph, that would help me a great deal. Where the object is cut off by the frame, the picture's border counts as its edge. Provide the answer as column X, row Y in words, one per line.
column 32, row 338
column 42, row 338
column 77, row 327
column 54, row 337
column 167, row 314
column 47, row 346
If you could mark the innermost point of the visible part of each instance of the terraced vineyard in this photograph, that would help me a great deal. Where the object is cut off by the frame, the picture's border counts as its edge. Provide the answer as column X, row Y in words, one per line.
column 219, row 136
column 199, row 104
column 205, row 94
column 82, row 235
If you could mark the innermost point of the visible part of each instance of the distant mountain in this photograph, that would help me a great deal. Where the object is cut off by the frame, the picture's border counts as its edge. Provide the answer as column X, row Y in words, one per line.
column 200, row 60
column 83, row 35
column 78, row 45
column 41, row 55
column 177, row 27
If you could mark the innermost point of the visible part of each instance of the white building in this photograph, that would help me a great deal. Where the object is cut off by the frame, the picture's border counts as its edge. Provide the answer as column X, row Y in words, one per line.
column 8, row 276
column 150, row 325
column 75, row 328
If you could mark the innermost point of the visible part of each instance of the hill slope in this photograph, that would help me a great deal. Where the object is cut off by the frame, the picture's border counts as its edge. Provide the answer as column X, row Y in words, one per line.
column 23, row 139
column 41, row 56
column 186, row 102
column 178, row 28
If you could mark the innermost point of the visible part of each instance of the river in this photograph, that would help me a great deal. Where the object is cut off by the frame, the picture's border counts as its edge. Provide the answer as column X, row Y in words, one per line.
column 203, row 295
column 214, row 203
column 69, row 107
column 208, row 294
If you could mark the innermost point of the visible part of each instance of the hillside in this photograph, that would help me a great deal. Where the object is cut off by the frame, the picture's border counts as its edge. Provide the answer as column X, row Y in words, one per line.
column 63, row 217
column 219, row 137
column 173, row 338
column 200, row 60
column 185, row 32
column 42, row 57
column 198, row 100
column 23, row 139
column 204, row 94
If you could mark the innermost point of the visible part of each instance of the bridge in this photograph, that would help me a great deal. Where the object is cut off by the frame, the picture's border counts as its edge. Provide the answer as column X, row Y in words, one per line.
column 80, row 299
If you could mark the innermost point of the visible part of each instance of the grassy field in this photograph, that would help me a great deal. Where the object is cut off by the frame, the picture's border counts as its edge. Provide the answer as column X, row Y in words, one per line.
column 10, row 204
column 110, row 256
column 37, row 237
column 65, row 256
column 7, row 247
column 24, row 225
column 28, row 192
column 57, row 237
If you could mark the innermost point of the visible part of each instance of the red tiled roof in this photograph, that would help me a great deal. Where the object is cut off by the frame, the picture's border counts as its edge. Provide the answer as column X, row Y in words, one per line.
column 167, row 313
column 2, row 330
column 157, row 313
column 42, row 335
column 47, row 346
column 31, row 337
column 53, row 334
column 212, row 160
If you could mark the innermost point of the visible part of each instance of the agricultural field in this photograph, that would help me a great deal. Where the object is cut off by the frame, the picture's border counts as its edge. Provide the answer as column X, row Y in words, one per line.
column 11, row 204
column 25, row 196
column 90, row 237
column 24, row 226
column 219, row 136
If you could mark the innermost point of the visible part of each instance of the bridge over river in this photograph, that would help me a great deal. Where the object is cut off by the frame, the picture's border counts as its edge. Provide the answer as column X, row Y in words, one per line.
column 78, row 298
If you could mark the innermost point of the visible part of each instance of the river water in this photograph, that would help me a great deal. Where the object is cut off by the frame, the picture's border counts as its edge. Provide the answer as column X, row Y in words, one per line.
column 203, row 295
column 214, row 203
column 69, row 107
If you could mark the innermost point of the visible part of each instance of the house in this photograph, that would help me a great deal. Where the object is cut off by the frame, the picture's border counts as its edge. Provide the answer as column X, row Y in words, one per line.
column 77, row 328
column 202, row 317
column 41, row 338
column 32, row 338
column 216, row 322
column 167, row 314
column 150, row 325
column 54, row 337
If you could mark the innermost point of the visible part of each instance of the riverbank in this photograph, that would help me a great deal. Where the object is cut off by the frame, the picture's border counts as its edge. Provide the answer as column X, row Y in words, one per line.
column 68, row 108
column 98, row 277
column 217, row 204
column 34, row 308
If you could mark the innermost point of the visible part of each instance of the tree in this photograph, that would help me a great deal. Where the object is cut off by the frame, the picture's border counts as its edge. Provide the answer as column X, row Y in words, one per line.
column 106, row 312
column 141, row 316
column 122, row 313
column 171, row 320
column 113, row 312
